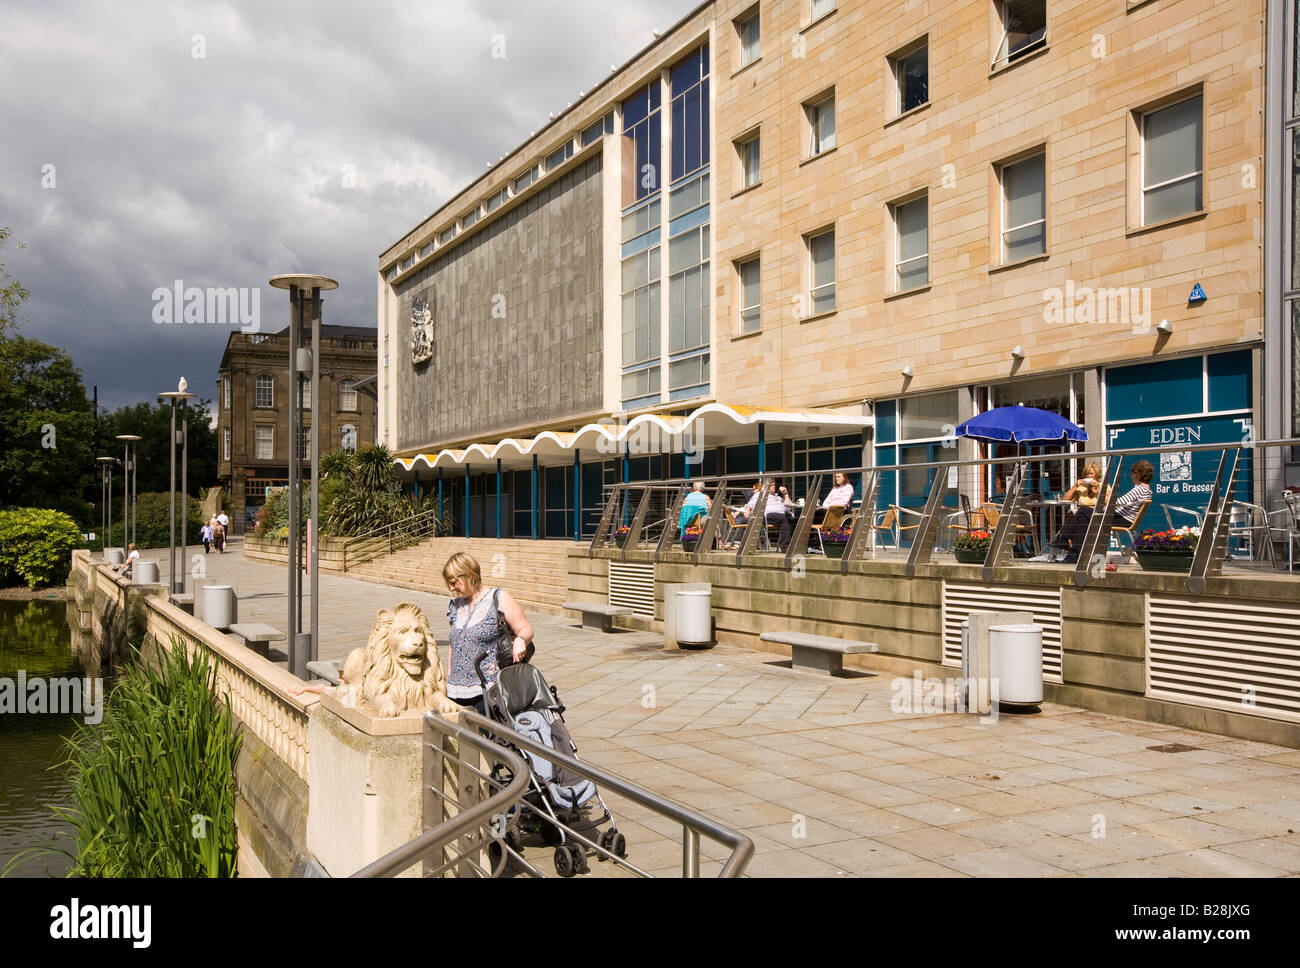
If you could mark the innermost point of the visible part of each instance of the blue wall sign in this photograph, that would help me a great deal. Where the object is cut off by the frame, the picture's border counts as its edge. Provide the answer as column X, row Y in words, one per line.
column 1197, row 296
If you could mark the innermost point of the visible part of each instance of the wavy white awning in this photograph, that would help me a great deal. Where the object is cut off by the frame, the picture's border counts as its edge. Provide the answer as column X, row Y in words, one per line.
column 712, row 425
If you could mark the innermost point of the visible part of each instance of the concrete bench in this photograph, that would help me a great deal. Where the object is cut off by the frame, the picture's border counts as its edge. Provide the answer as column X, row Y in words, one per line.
column 327, row 669
column 257, row 636
column 184, row 602
column 818, row 653
column 597, row 614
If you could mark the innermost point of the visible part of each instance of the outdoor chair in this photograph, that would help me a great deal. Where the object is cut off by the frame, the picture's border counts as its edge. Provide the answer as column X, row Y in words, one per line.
column 1197, row 516
column 992, row 514
column 834, row 519
column 964, row 520
column 1130, row 530
column 1287, row 529
column 1242, row 524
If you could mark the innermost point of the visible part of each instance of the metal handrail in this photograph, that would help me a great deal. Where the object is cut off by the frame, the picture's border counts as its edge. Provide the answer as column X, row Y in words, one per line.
column 694, row 824
column 436, row 838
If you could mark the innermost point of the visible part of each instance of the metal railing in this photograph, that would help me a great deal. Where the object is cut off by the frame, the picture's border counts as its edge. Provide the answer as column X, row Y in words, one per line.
column 1220, row 522
column 398, row 535
column 503, row 810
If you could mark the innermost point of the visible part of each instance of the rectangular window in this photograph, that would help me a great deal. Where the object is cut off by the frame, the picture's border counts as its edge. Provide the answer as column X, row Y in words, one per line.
column 821, row 272
column 689, row 83
column 912, row 245
column 641, row 307
column 912, row 77
column 641, row 144
column 524, row 180
column 497, row 200
column 1024, row 29
column 348, row 395
column 688, row 291
column 225, row 446
column 304, row 443
column 470, row 217
column 821, row 124
column 225, row 392
column 348, row 439
column 559, row 156
column 747, row 151
column 1295, row 372
column 750, row 318
column 1024, row 208
column 265, row 443
column 1171, row 161
column 447, row 234
column 593, row 132
column 747, row 32
column 821, row 8
column 265, row 391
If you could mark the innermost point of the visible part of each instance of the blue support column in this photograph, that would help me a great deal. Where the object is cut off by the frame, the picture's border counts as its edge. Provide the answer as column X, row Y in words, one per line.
column 467, row 500
column 627, row 476
column 577, row 495
column 762, row 449
column 417, row 485
column 498, row 498
column 534, row 501
column 440, row 494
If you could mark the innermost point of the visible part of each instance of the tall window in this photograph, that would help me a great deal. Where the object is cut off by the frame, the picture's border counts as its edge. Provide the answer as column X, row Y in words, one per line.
column 748, row 273
column 1024, row 209
column 911, row 245
column 265, row 391
column 348, row 395
column 688, row 308
column 348, row 439
column 1024, row 29
column 690, row 113
column 306, row 394
column 641, row 144
column 304, row 443
column 912, row 77
column 747, row 31
column 225, row 392
column 641, row 326
column 821, row 125
column 265, row 438
column 1171, row 161
column 225, row 449
column 747, row 151
column 821, row 272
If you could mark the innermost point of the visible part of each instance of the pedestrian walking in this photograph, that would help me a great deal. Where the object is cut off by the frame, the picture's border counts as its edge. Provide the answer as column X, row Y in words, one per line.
column 205, row 535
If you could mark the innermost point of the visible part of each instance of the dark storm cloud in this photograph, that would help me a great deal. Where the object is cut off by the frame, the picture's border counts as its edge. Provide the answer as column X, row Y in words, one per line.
column 224, row 169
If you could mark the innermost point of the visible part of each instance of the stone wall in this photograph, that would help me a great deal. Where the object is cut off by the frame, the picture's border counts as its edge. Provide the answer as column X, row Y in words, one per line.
column 517, row 319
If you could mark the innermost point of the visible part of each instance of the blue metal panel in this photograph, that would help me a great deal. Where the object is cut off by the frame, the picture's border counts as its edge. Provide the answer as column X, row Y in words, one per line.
column 1230, row 377
column 1161, row 389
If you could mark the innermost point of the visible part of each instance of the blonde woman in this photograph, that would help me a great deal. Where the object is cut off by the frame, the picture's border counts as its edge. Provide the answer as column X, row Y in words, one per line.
column 472, row 616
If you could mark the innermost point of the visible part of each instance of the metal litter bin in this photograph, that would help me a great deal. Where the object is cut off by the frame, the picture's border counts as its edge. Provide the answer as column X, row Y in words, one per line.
column 694, row 618
column 1016, row 663
column 219, row 605
column 146, row 572
column 113, row 556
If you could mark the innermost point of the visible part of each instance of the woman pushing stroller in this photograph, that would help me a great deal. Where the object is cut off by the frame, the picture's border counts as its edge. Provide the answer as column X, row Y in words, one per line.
column 472, row 616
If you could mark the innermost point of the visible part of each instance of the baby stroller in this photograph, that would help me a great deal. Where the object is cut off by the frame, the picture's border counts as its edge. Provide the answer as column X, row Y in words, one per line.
column 557, row 798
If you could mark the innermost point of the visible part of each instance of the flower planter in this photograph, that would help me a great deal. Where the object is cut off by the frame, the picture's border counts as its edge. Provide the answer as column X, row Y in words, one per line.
column 835, row 550
column 689, row 546
column 621, row 541
column 1166, row 560
column 968, row 557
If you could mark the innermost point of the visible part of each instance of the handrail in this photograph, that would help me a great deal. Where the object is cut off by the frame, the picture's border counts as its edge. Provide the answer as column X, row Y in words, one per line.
column 435, row 838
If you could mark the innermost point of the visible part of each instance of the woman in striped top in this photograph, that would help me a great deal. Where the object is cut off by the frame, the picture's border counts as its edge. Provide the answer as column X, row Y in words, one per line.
column 1126, row 507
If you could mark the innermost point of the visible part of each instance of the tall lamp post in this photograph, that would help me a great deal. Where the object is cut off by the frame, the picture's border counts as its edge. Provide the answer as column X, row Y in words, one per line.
column 177, row 581
column 129, row 451
column 304, row 311
column 107, row 464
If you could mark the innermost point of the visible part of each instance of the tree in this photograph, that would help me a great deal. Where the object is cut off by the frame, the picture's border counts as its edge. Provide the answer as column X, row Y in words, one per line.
column 12, row 294
column 151, row 422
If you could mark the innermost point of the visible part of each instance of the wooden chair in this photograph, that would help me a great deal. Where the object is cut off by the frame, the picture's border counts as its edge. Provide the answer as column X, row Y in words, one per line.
column 834, row 518
column 1130, row 530
column 992, row 514
column 966, row 519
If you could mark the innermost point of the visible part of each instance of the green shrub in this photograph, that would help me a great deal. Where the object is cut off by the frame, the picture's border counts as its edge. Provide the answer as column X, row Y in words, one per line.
column 36, row 546
column 153, row 788
column 151, row 530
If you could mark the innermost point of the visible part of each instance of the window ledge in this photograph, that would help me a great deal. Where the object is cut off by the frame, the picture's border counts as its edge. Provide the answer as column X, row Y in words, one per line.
column 1157, row 226
column 818, row 156
column 907, row 114
column 824, row 17
column 907, row 292
column 822, row 315
column 1034, row 55
column 748, row 188
column 749, row 335
column 1006, row 266
column 1135, row 4
column 742, row 70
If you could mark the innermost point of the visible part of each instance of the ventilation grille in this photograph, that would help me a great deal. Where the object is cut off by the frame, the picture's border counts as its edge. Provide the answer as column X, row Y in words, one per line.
column 960, row 600
column 632, row 585
column 1234, row 655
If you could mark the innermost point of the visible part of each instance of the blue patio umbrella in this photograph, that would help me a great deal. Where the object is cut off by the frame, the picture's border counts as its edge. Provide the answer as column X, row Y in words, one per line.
column 1021, row 425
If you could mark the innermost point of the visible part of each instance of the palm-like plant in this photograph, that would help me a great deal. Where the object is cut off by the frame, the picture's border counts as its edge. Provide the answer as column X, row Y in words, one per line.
column 373, row 468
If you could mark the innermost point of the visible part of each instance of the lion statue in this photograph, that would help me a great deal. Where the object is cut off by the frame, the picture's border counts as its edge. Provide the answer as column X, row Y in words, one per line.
column 398, row 670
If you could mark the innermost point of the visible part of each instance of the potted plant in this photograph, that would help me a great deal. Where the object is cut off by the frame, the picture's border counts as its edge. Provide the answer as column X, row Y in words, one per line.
column 690, row 536
column 621, row 533
column 1170, row 550
column 972, row 547
column 835, row 540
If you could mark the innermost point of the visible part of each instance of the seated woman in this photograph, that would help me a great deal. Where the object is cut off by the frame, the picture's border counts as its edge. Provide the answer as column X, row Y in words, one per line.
column 779, row 512
column 696, row 505
column 841, row 495
column 1071, row 537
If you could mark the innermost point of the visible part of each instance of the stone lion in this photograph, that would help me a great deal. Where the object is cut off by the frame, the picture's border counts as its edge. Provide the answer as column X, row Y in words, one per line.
column 398, row 670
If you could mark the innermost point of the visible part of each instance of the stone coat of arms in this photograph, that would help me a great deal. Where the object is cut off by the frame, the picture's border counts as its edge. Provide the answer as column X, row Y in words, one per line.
column 421, row 335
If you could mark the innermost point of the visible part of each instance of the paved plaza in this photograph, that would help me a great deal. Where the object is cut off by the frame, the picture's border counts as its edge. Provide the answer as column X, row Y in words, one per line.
column 829, row 780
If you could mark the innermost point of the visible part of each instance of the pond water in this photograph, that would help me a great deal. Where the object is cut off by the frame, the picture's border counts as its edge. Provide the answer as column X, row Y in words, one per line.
column 35, row 642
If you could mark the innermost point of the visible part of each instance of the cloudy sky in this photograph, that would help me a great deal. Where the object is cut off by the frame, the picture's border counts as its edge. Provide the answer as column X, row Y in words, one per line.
column 222, row 143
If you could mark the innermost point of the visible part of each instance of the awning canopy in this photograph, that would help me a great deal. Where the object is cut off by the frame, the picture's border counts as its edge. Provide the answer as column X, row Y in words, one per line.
column 712, row 425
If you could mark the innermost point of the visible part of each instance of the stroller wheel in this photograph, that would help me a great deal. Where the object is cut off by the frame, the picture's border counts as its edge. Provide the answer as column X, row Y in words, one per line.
column 607, row 843
column 579, row 858
column 563, row 862
column 620, row 845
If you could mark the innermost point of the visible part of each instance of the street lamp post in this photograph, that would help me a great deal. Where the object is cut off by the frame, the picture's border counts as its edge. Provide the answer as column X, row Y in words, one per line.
column 173, row 396
column 107, row 464
column 304, row 304
column 129, row 455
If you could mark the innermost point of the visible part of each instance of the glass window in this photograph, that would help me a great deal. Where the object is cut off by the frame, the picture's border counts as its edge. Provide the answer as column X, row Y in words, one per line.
column 306, row 393
column 1024, row 209
column 821, row 253
column 689, row 82
column 750, row 319
column 820, row 8
column 304, row 443
column 747, row 31
column 911, row 220
column 448, row 234
column 225, row 448
column 559, row 156
column 225, row 392
column 347, row 395
column 265, row 391
column 821, row 122
column 1295, row 369
column 524, row 180
column 1294, row 135
column 1171, row 161
column 912, row 73
column 748, row 153
column 688, row 196
column 470, row 217
column 265, row 442
column 593, row 132
column 1024, row 29
column 641, row 146
column 641, row 307
column 348, row 439
column 497, row 200
column 929, row 416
